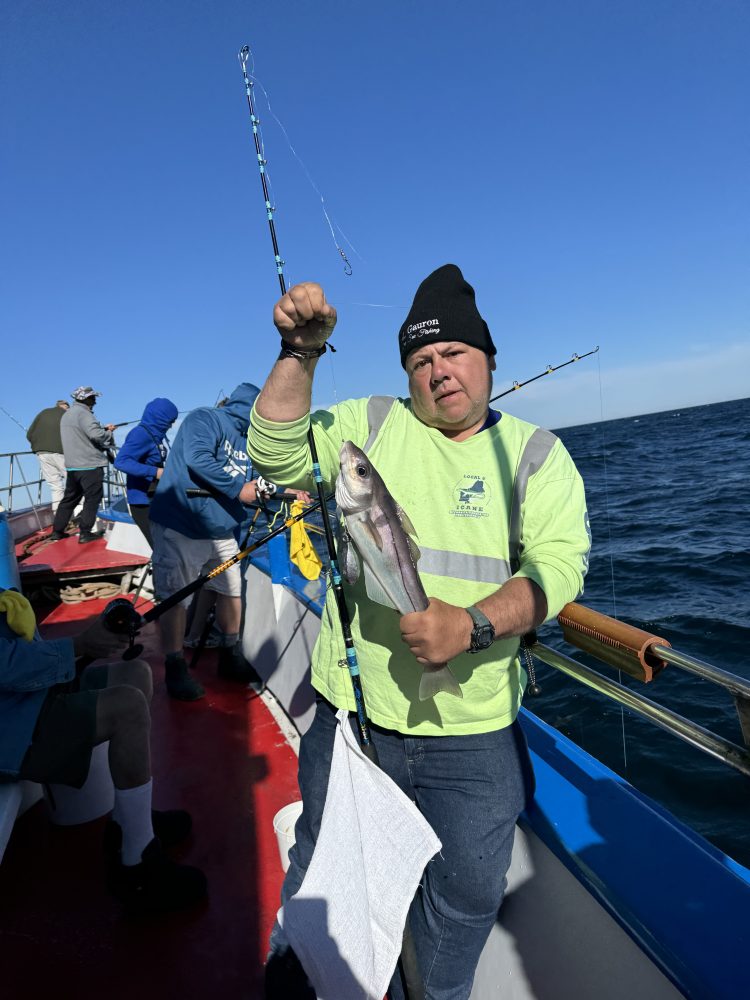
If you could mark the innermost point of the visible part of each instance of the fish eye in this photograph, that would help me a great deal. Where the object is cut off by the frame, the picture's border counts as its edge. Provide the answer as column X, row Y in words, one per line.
column 361, row 470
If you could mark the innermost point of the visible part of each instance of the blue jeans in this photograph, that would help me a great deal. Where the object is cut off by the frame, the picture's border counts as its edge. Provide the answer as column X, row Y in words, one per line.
column 471, row 790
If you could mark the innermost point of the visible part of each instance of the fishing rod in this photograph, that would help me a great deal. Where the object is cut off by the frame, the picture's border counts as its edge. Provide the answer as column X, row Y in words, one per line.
column 548, row 371
column 365, row 737
column 409, row 966
column 127, row 423
column 11, row 417
column 121, row 617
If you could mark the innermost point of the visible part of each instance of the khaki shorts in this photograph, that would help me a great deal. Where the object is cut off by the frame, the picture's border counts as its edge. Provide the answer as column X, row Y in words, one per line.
column 65, row 732
column 178, row 560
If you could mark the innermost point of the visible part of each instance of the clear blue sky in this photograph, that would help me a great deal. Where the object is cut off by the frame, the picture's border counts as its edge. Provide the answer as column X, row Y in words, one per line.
column 585, row 163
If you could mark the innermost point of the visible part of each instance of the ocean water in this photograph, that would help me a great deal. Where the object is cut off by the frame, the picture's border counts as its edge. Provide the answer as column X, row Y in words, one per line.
column 669, row 502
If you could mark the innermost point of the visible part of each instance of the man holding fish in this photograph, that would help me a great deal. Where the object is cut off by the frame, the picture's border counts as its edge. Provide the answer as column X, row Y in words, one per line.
column 480, row 536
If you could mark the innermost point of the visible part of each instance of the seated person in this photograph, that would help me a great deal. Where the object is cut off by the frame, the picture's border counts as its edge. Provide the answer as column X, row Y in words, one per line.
column 52, row 713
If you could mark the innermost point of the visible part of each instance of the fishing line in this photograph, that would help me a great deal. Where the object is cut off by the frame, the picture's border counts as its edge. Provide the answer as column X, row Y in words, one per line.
column 375, row 305
column 250, row 81
column 609, row 542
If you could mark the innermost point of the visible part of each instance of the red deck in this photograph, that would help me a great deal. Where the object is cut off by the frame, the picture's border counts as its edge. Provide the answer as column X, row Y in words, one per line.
column 39, row 559
column 223, row 758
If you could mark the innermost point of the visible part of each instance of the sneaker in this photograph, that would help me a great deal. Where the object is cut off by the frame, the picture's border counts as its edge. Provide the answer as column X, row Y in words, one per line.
column 234, row 667
column 157, row 884
column 171, row 827
column 89, row 536
column 180, row 684
column 56, row 536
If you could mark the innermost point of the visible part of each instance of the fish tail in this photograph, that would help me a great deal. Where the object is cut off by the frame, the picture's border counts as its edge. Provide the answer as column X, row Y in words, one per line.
column 437, row 679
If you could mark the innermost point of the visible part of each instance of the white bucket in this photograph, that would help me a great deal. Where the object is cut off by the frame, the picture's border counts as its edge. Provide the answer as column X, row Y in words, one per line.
column 69, row 806
column 283, row 826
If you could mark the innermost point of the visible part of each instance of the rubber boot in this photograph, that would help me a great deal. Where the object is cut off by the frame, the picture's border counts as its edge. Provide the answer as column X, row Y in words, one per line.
column 180, row 684
column 234, row 667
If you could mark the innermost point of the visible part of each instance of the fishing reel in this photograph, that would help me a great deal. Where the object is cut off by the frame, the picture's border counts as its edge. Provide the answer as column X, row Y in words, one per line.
column 121, row 618
column 265, row 489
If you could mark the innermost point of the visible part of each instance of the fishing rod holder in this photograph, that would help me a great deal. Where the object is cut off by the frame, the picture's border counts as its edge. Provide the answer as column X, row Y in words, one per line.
column 643, row 656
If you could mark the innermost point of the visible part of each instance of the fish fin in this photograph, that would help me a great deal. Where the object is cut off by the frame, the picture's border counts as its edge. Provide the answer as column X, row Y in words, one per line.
column 437, row 679
column 405, row 521
column 410, row 533
column 371, row 528
column 348, row 560
column 413, row 549
column 376, row 591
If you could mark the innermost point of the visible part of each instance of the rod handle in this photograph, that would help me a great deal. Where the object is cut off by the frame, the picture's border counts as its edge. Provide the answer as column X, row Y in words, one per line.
column 620, row 645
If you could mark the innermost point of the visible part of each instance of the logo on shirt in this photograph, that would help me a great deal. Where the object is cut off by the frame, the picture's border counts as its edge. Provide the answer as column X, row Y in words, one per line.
column 234, row 458
column 471, row 495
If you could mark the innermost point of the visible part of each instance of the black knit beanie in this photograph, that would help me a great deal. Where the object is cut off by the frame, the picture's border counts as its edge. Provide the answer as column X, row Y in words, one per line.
column 444, row 309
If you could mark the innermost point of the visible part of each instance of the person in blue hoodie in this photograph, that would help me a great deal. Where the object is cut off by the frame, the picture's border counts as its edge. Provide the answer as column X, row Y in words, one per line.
column 191, row 536
column 142, row 459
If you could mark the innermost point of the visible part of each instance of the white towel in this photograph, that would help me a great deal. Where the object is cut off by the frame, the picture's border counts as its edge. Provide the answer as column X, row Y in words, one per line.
column 347, row 920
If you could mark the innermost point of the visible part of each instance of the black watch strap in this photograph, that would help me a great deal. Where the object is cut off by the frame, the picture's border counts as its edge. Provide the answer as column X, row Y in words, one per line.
column 483, row 633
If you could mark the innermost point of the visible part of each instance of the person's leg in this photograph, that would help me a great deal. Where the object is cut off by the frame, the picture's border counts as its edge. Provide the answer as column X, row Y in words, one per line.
column 92, row 481
column 172, row 630
column 471, row 790
column 232, row 664
column 139, row 513
column 284, row 979
column 176, row 562
column 136, row 673
column 143, row 878
column 73, row 493
column 171, row 826
column 202, row 606
column 228, row 614
column 53, row 472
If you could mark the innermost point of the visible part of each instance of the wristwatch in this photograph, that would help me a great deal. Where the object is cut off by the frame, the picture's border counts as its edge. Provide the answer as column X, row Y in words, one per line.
column 483, row 633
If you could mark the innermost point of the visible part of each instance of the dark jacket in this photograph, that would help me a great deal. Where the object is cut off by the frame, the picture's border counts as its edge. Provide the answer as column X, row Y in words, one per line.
column 208, row 453
column 144, row 451
column 27, row 671
column 84, row 440
column 44, row 433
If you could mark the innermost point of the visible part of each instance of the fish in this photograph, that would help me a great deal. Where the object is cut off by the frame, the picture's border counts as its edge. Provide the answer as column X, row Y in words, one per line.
column 381, row 534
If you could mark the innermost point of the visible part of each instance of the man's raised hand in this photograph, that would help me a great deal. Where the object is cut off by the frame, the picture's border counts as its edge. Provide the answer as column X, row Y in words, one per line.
column 303, row 317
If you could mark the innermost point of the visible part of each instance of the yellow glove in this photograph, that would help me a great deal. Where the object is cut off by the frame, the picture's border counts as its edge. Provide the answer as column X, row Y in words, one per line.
column 18, row 613
column 301, row 551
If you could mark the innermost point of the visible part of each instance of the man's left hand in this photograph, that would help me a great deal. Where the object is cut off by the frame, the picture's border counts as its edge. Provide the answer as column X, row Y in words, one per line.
column 437, row 634
column 302, row 495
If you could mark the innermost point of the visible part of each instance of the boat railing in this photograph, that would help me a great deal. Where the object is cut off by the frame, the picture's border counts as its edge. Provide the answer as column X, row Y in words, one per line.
column 114, row 484
column 16, row 481
column 642, row 656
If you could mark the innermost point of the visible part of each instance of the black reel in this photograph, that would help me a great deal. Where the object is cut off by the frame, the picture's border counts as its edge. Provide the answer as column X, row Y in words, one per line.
column 120, row 617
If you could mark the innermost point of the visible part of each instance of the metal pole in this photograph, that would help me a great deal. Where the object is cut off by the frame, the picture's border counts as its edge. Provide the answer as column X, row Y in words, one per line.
column 723, row 750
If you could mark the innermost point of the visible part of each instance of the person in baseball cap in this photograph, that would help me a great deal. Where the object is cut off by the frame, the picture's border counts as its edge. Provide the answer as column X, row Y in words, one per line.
column 84, row 392
column 86, row 447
